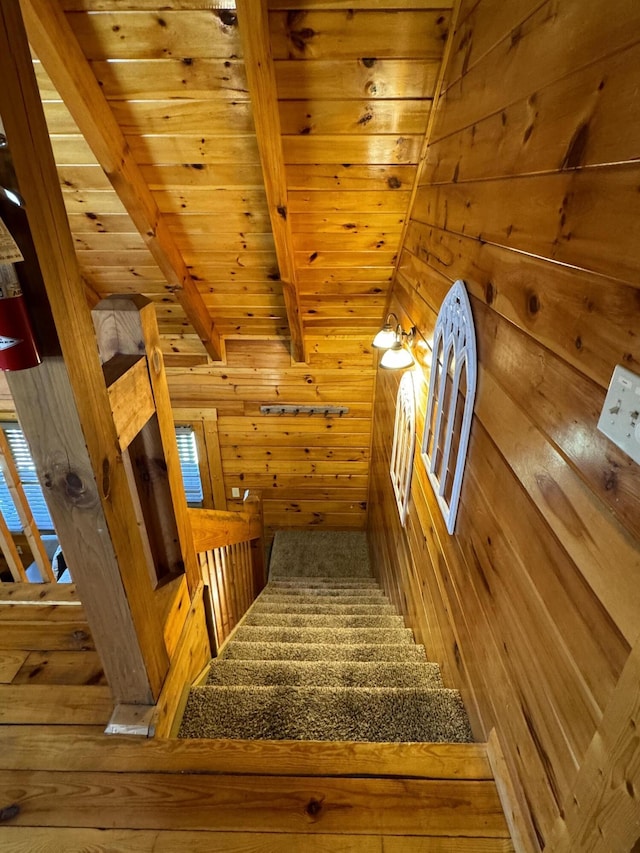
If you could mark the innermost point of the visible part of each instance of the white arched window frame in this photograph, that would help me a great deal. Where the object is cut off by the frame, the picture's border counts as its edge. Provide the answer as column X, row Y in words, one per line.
column 452, row 389
column 404, row 442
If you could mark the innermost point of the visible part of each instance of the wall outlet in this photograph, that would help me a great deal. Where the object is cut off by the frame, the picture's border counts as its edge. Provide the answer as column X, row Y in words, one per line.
column 620, row 416
column 235, row 493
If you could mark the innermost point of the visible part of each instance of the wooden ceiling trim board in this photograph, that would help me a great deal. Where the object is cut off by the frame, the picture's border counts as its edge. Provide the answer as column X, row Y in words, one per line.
column 254, row 31
column 57, row 48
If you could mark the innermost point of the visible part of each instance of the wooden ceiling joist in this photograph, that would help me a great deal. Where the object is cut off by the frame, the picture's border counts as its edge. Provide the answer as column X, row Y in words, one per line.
column 253, row 22
column 57, row 48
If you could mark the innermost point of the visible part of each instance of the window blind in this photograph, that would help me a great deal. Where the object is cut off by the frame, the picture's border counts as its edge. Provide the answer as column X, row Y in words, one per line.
column 188, row 453
column 32, row 488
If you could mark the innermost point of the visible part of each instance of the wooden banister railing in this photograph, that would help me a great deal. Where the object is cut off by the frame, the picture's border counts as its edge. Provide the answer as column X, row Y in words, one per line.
column 230, row 552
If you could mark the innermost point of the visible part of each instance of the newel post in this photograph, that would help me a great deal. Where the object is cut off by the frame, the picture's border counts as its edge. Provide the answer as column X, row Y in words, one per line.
column 127, row 329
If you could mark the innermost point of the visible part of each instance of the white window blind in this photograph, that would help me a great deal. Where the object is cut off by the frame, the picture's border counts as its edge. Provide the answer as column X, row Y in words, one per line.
column 188, row 453
column 32, row 488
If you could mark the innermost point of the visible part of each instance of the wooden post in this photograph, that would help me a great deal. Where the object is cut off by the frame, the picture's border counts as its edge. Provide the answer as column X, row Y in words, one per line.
column 64, row 407
column 127, row 325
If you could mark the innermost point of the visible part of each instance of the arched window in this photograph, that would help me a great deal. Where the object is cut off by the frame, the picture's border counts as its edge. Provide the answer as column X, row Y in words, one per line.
column 404, row 442
column 452, row 389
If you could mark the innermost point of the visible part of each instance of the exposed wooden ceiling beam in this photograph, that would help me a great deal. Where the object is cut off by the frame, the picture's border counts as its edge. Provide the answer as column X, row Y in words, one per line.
column 253, row 21
column 57, row 48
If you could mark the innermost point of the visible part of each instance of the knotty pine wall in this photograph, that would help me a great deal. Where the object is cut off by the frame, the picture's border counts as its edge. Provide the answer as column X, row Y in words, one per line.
column 530, row 194
column 313, row 470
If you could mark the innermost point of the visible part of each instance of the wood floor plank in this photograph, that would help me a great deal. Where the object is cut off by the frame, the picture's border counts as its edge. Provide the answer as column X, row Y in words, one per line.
column 49, row 704
column 27, row 840
column 41, row 593
column 45, row 667
column 10, row 664
column 34, row 636
column 257, row 803
column 16, row 611
column 23, row 747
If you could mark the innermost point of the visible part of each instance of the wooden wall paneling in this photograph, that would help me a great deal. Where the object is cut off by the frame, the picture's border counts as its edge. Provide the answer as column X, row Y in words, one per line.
column 526, row 195
column 603, row 816
column 118, row 605
column 569, row 506
column 313, row 469
column 560, row 221
column 587, row 319
column 521, row 828
column 513, row 361
column 570, row 123
column 539, row 39
column 476, row 34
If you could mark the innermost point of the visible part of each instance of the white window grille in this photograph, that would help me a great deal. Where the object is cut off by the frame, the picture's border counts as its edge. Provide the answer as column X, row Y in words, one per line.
column 452, row 389
column 404, row 441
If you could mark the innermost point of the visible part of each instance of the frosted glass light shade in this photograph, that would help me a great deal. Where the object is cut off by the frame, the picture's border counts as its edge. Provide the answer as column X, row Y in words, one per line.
column 396, row 358
column 385, row 338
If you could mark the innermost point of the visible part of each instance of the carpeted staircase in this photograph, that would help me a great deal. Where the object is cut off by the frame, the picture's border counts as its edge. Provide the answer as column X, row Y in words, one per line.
column 321, row 655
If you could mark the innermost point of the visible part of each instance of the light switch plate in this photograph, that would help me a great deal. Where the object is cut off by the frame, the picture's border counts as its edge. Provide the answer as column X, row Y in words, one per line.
column 620, row 416
column 235, row 492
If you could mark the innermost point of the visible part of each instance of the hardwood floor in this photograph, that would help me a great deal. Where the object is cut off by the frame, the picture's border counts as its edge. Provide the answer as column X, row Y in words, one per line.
column 64, row 785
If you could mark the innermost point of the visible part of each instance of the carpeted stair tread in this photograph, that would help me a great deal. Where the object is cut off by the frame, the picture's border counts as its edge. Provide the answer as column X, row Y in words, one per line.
column 326, row 713
column 252, row 634
column 319, row 583
column 329, row 609
column 323, row 651
column 319, row 553
column 303, row 596
column 325, row 674
column 322, row 620
column 323, row 655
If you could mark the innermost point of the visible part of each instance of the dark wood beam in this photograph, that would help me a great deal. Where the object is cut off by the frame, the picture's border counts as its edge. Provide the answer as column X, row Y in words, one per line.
column 253, row 21
column 57, row 48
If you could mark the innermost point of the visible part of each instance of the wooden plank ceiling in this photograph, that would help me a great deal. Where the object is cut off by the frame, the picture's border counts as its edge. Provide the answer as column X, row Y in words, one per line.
column 213, row 131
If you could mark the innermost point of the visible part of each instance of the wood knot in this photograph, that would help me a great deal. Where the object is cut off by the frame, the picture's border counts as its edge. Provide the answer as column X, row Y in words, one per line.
column 313, row 807
column 74, row 487
column 9, row 812
column 228, row 18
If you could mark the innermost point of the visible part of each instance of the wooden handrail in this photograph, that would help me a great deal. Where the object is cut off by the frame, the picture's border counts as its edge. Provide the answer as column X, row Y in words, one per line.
column 214, row 528
column 230, row 552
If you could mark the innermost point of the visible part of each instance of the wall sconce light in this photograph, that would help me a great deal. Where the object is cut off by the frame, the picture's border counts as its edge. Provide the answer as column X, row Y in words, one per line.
column 390, row 337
